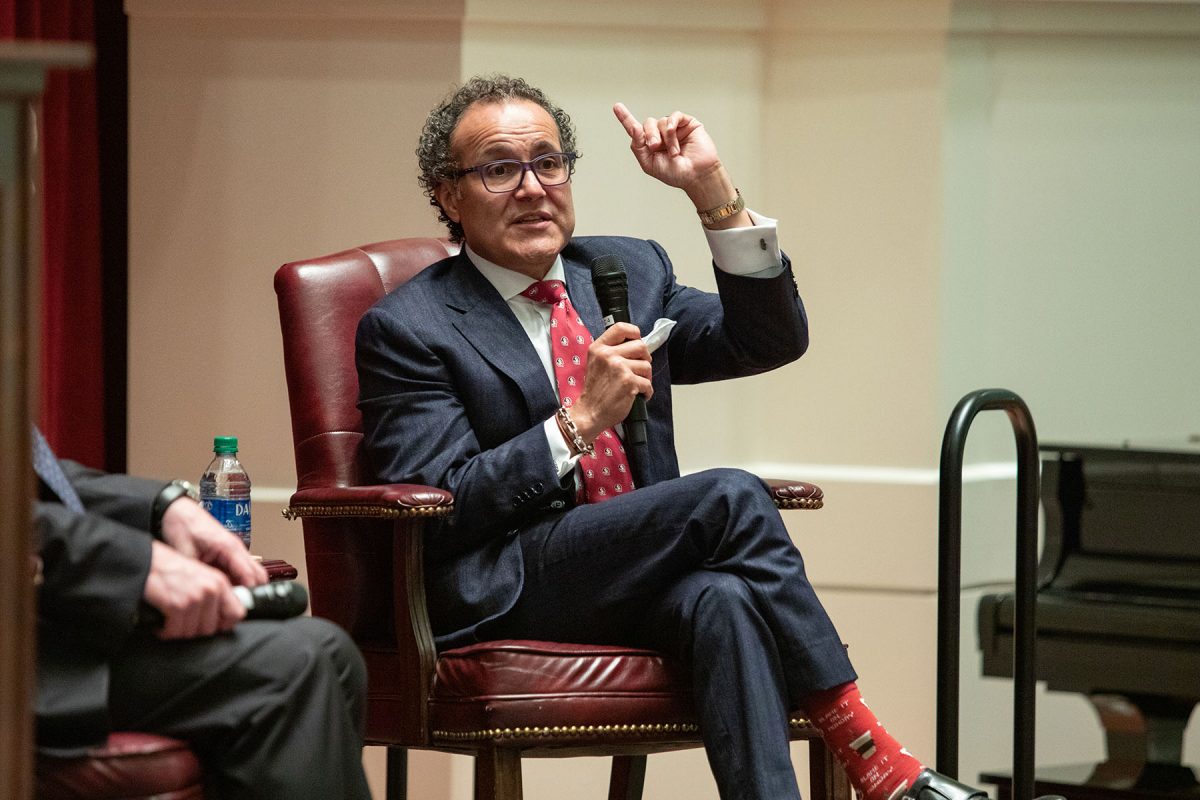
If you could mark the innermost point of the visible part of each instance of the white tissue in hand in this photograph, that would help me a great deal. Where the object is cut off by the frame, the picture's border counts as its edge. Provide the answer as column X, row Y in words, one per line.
column 660, row 333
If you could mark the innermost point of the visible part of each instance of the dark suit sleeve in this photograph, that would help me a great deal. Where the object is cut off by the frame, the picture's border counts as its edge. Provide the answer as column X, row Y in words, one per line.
column 95, row 564
column 123, row 498
column 752, row 325
column 94, row 571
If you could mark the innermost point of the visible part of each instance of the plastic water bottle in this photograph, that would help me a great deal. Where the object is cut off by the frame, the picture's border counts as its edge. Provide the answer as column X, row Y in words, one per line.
column 225, row 488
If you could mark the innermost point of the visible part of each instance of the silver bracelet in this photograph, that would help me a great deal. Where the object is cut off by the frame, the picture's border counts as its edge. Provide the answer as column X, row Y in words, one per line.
column 564, row 416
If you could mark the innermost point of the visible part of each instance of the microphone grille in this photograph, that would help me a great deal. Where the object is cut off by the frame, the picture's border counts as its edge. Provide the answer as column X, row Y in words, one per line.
column 604, row 266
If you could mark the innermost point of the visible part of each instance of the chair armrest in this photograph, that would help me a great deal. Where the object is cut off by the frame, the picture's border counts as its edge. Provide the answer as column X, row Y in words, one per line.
column 385, row 501
column 280, row 570
column 396, row 500
column 365, row 552
column 795, row 494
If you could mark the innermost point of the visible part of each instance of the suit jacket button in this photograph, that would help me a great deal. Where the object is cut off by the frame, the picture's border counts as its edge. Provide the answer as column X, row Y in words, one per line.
column 538, row 486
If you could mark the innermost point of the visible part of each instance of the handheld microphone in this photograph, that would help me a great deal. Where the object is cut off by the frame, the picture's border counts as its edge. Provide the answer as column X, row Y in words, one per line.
column 277, row 600
column 612, row 290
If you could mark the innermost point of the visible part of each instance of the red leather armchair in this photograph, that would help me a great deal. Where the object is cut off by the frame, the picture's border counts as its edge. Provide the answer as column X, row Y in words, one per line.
column 498, row 701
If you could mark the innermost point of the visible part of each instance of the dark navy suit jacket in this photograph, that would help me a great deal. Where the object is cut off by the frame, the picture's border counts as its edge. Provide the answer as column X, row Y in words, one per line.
column 453, row 395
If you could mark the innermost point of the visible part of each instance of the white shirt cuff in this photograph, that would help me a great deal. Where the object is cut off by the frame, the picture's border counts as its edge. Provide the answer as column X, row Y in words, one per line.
column 750, row 252
column 564, row 461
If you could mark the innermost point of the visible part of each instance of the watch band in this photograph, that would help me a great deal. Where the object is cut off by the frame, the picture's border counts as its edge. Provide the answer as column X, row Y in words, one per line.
column 714, row 215
column 169, row 494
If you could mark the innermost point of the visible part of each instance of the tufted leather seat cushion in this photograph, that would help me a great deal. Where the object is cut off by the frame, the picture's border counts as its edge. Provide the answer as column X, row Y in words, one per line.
column 129, row 766
column 506, row 689
column 503, row 692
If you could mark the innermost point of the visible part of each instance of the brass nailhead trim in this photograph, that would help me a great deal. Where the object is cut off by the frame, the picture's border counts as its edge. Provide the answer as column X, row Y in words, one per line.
column 799, row 502
column 433, row 512
column 564, row 731
column 369, row 511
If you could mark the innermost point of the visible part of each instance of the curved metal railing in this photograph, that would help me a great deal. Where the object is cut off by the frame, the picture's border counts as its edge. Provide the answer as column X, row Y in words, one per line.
column 950, row 582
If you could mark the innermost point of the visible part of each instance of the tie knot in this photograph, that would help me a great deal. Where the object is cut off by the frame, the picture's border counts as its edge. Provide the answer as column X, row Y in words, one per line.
column 549, row 292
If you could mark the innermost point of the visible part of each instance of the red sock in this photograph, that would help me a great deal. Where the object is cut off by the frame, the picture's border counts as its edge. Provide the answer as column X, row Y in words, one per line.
column 879, row 768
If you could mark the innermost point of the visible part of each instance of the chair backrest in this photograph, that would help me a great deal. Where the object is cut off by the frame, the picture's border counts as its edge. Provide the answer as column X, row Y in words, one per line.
column 320, row 303
column 352, row 575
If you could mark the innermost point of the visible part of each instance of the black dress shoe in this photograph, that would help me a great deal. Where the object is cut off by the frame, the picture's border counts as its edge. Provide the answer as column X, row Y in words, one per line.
column 931, row 785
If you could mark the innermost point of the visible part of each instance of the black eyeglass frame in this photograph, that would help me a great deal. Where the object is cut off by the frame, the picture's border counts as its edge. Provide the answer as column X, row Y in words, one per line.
column 526, row 166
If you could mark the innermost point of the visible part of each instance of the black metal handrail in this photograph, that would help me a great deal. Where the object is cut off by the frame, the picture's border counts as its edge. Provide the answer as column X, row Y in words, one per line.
column 950, row 582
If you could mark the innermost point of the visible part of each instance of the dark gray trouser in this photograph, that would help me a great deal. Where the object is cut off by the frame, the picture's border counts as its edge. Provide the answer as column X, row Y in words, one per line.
column 703, row 568
column 273, row 709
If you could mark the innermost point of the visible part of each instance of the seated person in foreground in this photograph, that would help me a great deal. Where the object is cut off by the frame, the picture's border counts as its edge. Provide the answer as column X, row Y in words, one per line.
column 481, row 375
column 273, row 709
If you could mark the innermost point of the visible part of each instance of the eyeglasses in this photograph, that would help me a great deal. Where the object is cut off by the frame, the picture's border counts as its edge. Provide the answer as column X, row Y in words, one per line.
column 505, row 175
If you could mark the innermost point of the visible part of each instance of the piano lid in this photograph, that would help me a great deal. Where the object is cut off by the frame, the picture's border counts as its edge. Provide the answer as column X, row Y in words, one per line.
column 1183, row 448
column 1122, row 519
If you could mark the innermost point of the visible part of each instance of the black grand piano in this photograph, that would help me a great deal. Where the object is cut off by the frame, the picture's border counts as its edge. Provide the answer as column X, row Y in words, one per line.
column 1118, row 611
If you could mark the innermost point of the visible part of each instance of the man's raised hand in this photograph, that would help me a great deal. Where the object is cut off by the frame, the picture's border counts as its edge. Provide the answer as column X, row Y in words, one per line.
column 675, row 149
column 678, row 151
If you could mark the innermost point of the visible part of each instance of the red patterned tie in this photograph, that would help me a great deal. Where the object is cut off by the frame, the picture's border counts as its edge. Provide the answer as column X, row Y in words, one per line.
column 606, row 474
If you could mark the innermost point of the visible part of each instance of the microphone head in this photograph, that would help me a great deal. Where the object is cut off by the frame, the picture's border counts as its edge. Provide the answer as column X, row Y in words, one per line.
column 277, row 600
column 607, row 266
column 612, row 288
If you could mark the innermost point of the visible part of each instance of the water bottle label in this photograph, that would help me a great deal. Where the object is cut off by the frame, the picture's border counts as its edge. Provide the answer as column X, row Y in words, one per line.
column 233, row 514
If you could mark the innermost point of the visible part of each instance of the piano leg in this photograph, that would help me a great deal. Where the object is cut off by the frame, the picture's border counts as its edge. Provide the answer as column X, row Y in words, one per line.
column 1143, row 728
column 1144, row 737
column 1144, row 740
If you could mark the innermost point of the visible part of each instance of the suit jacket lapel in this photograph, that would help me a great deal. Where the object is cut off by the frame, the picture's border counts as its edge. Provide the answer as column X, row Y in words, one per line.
column 488, row 324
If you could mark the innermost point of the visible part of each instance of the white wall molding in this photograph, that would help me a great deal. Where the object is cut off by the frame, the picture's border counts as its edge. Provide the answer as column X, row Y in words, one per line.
column 888, row 476
column 815, row 473
column 280, row 495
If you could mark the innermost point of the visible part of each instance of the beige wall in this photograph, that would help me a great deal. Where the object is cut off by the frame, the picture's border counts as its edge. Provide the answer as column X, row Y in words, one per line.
column 942, row 171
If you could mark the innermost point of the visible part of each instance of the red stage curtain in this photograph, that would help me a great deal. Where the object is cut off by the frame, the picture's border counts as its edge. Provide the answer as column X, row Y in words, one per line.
column 72, row 410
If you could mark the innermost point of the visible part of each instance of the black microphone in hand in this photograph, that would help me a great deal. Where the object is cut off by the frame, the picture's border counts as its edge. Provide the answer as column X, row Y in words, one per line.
column 612, row 290
column 277, row 600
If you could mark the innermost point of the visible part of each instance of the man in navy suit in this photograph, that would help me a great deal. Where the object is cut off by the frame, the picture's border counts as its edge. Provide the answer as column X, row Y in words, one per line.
column 465, row 383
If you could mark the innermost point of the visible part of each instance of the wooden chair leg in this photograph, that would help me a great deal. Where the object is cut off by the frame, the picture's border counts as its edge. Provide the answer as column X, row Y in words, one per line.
column 827, row 779
column 628, row 778
column 397, row 773
column 498, row 774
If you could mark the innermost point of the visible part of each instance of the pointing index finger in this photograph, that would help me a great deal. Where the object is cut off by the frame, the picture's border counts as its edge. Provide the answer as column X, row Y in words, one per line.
column 629, row 122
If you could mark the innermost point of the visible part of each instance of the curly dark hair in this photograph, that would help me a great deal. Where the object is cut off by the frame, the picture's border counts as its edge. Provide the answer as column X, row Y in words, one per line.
column 434, row 159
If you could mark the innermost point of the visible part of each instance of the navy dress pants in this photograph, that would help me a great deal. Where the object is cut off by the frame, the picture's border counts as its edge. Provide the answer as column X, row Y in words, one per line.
column 701, row 568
